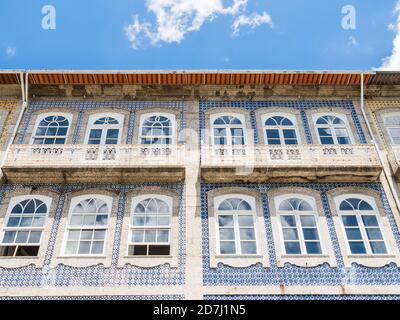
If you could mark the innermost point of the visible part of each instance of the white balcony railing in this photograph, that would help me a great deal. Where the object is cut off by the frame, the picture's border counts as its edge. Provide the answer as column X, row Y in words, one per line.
column 95, row 156
column 293, row 155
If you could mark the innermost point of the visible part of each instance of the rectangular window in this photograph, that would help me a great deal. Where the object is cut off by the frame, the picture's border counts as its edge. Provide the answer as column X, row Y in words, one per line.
column 237, row 235
column 363, row 234
column 300, row 234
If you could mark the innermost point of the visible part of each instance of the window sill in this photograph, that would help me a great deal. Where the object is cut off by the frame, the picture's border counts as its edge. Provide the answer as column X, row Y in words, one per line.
column 371, row 260
column 21, row 261
column 148, row 261
column 306, row 260
column 238, row 261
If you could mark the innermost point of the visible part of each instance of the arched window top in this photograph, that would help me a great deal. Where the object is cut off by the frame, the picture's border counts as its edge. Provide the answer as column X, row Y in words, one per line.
column 91, row 205
column 227, row 120
column 152, row 205
column 234, row 202
column 330, row 120
column 106, row 120
column 54, row 121
column 295, row 204
column 30, row 206
column 278, row 121
column 392, row 119
column 157, row 121
column 353, row 204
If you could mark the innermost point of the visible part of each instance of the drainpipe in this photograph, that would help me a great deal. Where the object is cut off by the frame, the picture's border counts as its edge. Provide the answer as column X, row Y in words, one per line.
column 386, row 172
column 24, row 92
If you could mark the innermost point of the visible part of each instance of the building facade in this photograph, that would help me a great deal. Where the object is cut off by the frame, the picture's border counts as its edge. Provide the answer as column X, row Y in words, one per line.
column 199, row 185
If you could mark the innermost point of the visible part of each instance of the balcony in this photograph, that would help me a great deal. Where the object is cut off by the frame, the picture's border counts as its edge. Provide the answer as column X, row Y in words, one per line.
column 394, row 160
column 300, row 163
column 94, row 164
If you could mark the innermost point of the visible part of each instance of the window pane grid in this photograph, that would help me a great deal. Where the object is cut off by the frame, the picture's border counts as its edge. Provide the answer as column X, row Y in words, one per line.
column 238, row 236
column 363, row 234
column 300, row 234
column 278, row 132
column 85, row 241
column 228, row 132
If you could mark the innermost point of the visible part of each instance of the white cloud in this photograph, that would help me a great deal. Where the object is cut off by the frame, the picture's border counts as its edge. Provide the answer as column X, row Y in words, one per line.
column 353, row 41
column 175, row 18
column 11, row 51
column 254, row 20
column 392, row 63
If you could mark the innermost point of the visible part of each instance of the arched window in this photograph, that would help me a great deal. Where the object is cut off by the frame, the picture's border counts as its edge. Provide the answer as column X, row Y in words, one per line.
column 332, row 129
column 51, row 129
column 280, row 130
column 104, row 129
column 150, row 232
column 23, row 228
column 360, row 220
column 392, row 125
column 298, row 221
column 157, row 129
column 236, row 228
column 228, row 130
column 87, row 225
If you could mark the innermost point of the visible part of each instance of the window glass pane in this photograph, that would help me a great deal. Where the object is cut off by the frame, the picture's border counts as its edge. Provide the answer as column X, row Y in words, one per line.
column 86, row 235
column 353, row 234
column 290, row 234
column 76, row 220
column 324, row 132
column 22, row 237
column 274, row 142
column 138, row 236
column 370, row 221
column 350, row 221
column 163, row 236
column 310, row 234
column 247, row 234
column 238, row 141
column 26, row 222
column 357, row 248
column 84, row 247
column 289, row 134
column 227, row 248
column 13, row 222
column 112, row 133
column 95, row 134
column 327, row 141
column 71, row 247
column 313, row 248
column 374, row 234
column 271, row 134
column 34, row 236
column 292, row 247
column 150, row 236
column 248, row 247
column 378, row 247
column 9, row 236
column 226, row 234
column 225, row 221
column 88, row 220
column 38, row 222
column 101, row 219
column 73, row 235
column 343, row 140
column 395, row 135
column 288, row 221
column 307, row 221
column 237, row 132
column 138, row 220
column 245, row 221
column 97, row 247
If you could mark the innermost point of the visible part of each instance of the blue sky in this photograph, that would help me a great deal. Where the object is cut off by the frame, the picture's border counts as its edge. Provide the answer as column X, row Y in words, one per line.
column 198, row 34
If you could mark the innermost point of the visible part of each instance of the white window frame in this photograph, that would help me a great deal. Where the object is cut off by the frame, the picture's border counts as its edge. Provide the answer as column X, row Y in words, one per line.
column 280, row 128
column 13, row 202
column 145, row 116
column 228, row 128
column 249, row 199
column 74, row 202
column 311, row 201
column 391, row 126
column 42, row 116
column 342, row 117
column 135, row 201
column 371, row 201
column 104, row 127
